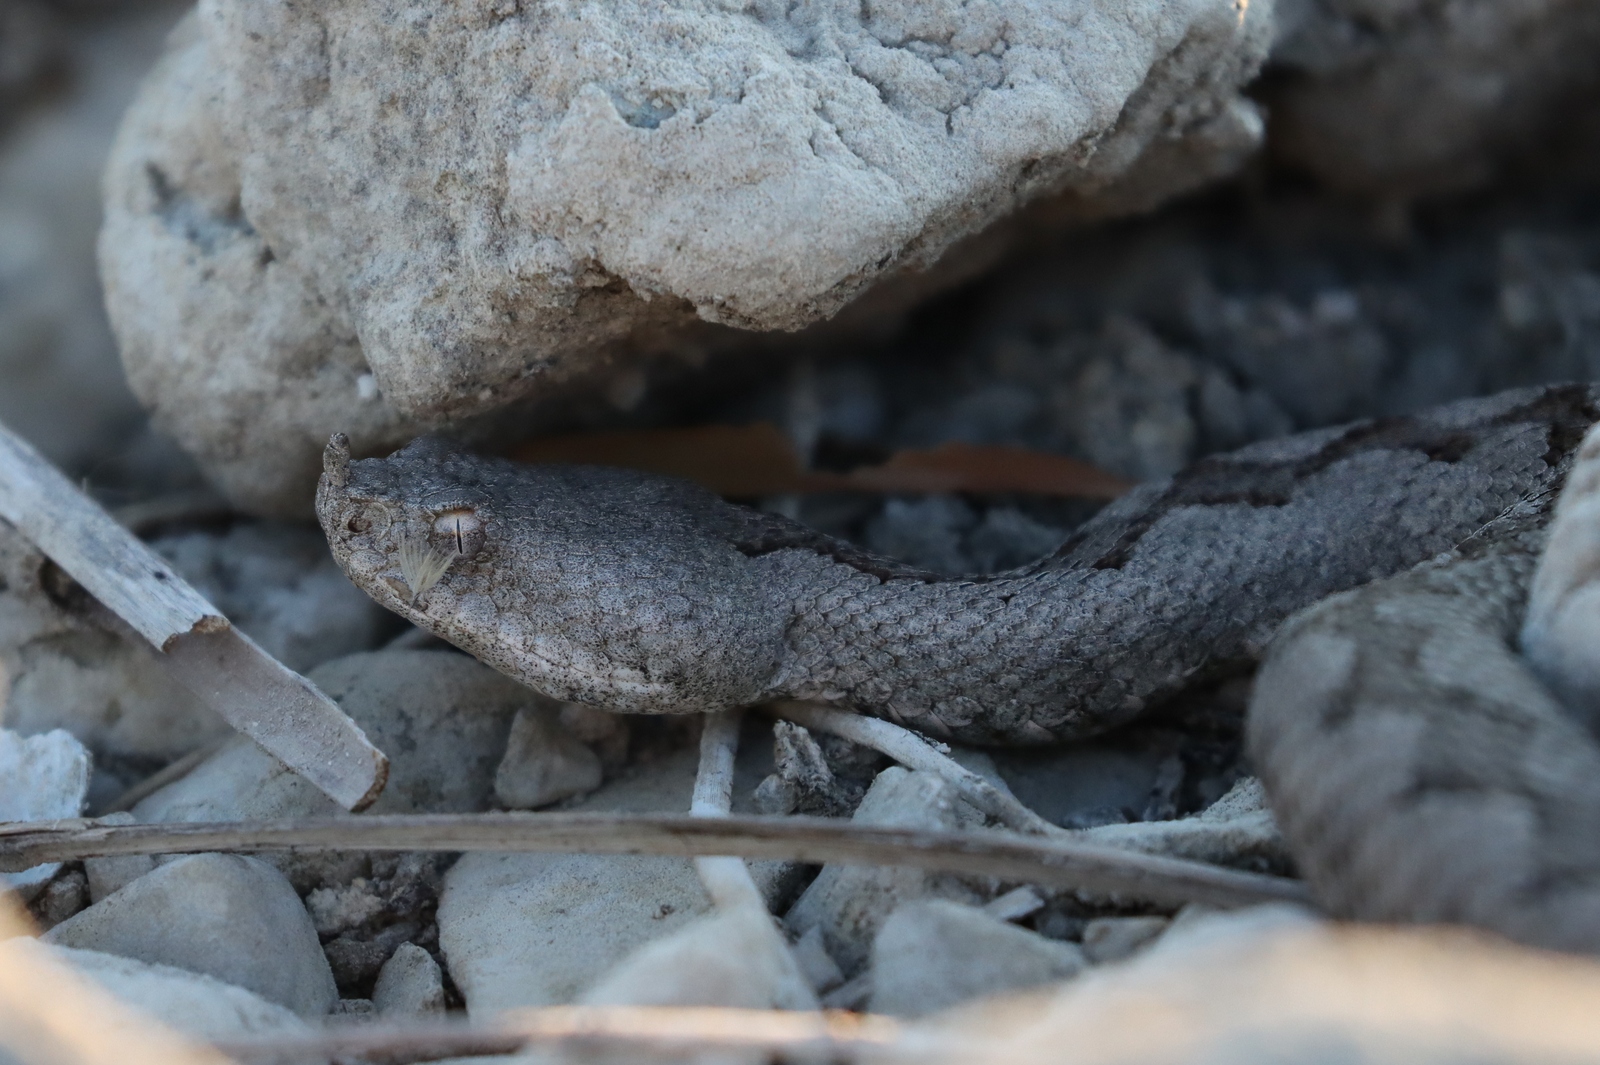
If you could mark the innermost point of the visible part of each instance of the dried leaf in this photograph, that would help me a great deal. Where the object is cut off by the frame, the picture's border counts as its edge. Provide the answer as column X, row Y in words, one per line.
column 748, row 461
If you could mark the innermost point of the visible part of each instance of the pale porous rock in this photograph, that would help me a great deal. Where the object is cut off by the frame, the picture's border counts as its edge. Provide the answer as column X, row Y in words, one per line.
column 66, row 662
column 544, row 762
column 223, row 915
column 410, row 982
column 1404, row 97
column 42, row 778
column 197, row 1005
column 934, row 953
column 525, row 192
column 849, row 903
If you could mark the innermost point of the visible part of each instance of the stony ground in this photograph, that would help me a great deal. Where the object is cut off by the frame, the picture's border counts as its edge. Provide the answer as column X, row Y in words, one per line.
column 1258, row 308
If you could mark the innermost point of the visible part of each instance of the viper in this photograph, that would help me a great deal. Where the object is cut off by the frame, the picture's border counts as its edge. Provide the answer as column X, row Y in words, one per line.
column 644, row 594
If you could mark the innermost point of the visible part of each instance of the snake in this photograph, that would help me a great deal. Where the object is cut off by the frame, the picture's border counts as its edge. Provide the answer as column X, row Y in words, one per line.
column 645, row 594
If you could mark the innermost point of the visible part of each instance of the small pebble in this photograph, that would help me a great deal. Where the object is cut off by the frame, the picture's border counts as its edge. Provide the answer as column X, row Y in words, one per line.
column 62, row 897
column 410, row 982
column 1107, row 939
column 543, row 763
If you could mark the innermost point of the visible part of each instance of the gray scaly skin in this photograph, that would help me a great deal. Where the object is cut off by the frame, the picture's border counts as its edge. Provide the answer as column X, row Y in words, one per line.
column 644, row 594
column 1418, row 768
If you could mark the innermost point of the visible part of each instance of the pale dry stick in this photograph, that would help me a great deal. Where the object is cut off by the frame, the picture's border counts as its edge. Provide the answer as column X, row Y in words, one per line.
column 254, row 692
column 914, row 752
column 1056, row 862
column 726, row 878
column 639, row 1030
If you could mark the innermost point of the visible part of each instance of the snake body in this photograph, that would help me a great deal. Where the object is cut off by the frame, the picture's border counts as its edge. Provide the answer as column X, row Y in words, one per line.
column 1428, row 741
column 644, row 594
column 1418, row 767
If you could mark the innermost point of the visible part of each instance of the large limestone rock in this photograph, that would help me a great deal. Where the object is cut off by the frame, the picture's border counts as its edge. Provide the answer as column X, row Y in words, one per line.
column 1398, row 98
column 376, row 216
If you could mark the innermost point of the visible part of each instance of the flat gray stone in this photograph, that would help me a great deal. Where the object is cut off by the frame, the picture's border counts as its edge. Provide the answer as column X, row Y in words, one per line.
column 933, row 953
column 223, row 915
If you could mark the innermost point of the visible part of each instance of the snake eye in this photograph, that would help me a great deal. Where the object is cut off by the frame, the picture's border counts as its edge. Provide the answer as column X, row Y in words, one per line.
column 458, row 532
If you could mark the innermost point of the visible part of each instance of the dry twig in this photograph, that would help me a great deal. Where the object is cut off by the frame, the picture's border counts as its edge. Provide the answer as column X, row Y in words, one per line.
column 257, row 694
column 639, row 1030
column 914, row 752
column 726, row 878
column 1054, row 862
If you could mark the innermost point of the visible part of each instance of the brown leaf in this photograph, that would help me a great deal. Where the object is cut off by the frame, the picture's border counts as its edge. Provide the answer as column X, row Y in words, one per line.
column 748, row 461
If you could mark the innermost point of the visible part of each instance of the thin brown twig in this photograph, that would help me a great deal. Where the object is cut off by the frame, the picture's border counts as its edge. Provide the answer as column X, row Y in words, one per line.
column 639, row 1029
column 1051, row 862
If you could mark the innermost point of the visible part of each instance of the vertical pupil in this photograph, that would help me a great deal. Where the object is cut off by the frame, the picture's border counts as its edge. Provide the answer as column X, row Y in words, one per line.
column 461, row 548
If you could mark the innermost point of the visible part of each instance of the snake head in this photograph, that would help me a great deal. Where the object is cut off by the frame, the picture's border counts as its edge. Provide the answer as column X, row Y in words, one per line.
column 597, row 585
column 401, row 525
